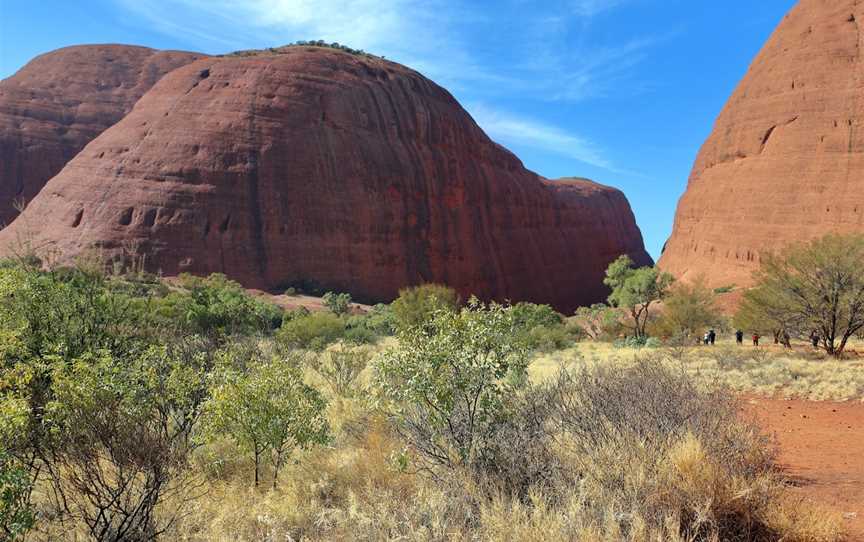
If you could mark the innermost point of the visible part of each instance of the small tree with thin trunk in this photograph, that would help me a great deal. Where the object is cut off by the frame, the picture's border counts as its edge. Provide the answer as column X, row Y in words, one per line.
column 635, row 290
column 813, row 286
column 267, row 409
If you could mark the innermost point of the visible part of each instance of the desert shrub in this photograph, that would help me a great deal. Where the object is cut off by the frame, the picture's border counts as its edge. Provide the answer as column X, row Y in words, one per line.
column 540, row 327
column 416, row 305
column 531, row 315
column 548, row 339
column 635, row 290
column 267, row 410
column 121, row 435
column 16, row 512
column 218, row 306
column 599, row 322
column 64, row 313
column 380, row 320
column 724, row 289
column 337, row 303
column 359, row 335
column 313, row 332
column 688, row 310
column 340, row 368
column 648, row 437
column 449, row 380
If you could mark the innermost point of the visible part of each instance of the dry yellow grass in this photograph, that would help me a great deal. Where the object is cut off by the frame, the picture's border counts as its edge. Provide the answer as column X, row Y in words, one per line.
column 353, row 490
column 769, row 371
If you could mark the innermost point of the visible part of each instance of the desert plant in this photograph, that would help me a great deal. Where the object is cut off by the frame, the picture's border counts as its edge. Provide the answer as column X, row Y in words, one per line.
column 449, row 378
column 121, row 436
column 599, row 321
column 688, row 310
column 313, row 331
column 337, row 303
column 635, row 290
column 16, row 512
column 218, row 306
column 267, row 410
column 811, row 286
column 340, row 368
column 416, row 305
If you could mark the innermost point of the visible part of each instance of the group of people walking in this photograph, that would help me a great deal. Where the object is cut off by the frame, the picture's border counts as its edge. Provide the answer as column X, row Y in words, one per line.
column 783, row 338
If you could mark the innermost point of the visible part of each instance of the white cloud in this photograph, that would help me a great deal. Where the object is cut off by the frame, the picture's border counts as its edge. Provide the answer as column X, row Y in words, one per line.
column 511, row 129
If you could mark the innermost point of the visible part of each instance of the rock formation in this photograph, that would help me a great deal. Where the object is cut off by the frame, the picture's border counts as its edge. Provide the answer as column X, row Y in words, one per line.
column 349, row 171
column 60, row 101
column 785, row 161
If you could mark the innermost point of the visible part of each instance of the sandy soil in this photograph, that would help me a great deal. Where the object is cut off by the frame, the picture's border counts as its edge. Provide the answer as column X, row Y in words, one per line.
column 821, row 447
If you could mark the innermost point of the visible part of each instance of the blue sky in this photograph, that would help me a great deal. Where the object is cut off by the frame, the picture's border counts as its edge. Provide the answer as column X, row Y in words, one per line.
column 620, row 91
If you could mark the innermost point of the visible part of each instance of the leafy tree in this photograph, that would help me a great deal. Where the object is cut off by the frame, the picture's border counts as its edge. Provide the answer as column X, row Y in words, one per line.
column 635, row 290
column 688, row 310
column 416, row 305
column 314, row 331
column 338, row 304
column 812, row 286
column 449, row 380
column 267, row 409
column 599, row 321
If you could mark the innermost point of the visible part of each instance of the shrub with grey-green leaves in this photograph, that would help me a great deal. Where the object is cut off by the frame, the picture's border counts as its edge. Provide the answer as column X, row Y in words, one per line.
column 449, row 380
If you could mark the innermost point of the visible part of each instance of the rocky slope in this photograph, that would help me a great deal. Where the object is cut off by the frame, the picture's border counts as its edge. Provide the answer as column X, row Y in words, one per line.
column 310, row 164
column 60, row 101
column 785, row 161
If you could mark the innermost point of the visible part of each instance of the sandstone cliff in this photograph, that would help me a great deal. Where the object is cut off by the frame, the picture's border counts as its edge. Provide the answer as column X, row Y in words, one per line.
column 60, row 101
column 785, row 161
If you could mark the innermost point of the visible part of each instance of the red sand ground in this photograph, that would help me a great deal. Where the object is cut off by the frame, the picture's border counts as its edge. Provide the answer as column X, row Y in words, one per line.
column 821, row 447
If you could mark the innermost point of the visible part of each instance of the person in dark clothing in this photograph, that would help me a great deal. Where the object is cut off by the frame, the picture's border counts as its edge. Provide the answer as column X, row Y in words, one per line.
column 739, row 337
column 712, row 336
column 814, row 339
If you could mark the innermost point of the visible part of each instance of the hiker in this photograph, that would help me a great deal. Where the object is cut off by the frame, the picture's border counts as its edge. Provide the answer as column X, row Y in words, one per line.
column 755, row 339
column 706, row 338
column 712, row 336
column 786, row 340
column 739, row 337
column 814, row 339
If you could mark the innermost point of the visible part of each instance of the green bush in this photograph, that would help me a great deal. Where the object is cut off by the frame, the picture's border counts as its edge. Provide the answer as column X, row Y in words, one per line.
column 338, row 304
column 312, row 332
column 541, row 327
column 449, row 381
column 16, row 515
column 417, row 305
column 267, row 410
column 531, row 315
column 548, row 339
column 219, row 306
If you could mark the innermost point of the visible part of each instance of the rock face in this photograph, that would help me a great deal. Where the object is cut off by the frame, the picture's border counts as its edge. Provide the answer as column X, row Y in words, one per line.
column 785, row 161
column 310, row 164
column 61, row 101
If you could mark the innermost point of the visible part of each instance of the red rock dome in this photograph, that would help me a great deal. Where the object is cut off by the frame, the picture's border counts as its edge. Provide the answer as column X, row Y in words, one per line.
column 785, row 161
column 310, row 164
column 60, row 101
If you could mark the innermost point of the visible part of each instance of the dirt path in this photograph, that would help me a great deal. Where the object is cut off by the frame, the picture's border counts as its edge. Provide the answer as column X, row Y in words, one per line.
column 822, row 449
